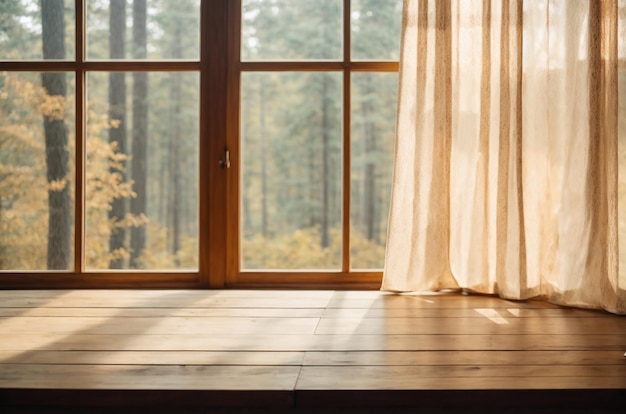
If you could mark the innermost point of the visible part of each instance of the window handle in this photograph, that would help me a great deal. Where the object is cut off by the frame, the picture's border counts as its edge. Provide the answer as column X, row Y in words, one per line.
column 225, row 161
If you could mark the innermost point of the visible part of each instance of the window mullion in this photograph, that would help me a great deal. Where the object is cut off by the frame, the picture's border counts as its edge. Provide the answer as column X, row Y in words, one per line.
column 213, row 125
column 232, row 177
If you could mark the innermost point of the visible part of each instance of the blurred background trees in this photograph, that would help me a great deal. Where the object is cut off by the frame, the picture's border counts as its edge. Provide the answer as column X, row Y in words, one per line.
column 141, row 171
column 292, row 134
column 141, row 183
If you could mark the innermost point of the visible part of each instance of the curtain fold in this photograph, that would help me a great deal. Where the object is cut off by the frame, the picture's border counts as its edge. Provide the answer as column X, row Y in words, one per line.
column 506, row 163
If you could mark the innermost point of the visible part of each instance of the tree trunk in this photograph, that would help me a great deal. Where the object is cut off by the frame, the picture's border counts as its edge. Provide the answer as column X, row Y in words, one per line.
column 117, row 135
column 56, row 140
column 140, row 133
column 248, row 229
column 175, row 144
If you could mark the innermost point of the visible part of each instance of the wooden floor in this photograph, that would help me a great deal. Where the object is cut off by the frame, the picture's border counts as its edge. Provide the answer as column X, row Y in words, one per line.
column 304, row 351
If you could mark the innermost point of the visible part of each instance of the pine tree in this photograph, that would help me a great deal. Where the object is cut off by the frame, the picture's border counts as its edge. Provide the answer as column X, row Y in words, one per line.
column 140, row 133
column 56, row 139
column 117, row 133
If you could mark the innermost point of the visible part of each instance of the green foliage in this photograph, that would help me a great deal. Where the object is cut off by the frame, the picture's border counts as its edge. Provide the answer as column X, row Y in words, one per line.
column 292, row 134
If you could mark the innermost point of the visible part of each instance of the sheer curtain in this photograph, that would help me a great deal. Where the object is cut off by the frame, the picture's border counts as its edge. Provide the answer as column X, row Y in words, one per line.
column 506, row 168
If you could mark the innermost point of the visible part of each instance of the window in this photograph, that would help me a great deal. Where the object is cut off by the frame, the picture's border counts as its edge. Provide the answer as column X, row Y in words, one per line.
column 117, row 118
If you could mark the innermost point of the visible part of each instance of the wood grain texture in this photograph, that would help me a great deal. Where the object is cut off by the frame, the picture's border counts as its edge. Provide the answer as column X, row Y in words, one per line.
column 158, row 326
column 152, row 358
column 489, row 325
column 456, row 358
column 287, row 342
column 299, row 348
column 142, row 377
column 163, row 312
column 471, row 377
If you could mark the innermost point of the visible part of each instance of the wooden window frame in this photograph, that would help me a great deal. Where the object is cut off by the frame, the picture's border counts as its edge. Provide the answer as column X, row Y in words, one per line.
column 220, row 68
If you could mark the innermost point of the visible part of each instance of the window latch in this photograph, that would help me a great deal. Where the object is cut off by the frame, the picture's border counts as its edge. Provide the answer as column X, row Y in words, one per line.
column 225, row 161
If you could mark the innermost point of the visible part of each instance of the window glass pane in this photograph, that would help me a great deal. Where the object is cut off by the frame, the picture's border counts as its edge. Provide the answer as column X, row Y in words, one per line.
column 291, row 186
column 292, row 29
column 154, row 30
column 142, row 171
column 376, row 29
column 34, row 30
column 36, row 171
column 373, row 119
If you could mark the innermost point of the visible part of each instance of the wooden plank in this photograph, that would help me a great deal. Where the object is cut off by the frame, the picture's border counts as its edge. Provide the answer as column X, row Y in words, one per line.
column 151, row 358
column 462, row 378
column 410, row 358
column 300, row 312
column 140, row 312
column 265, row 342
column 190, row 294
column 435, row 302
column 144, row 377
column 260, row 299
column 160, row 298
column 471, row 326
column 156, row 326
column 164, row 302
column 411, row 312
column 337, row 299
column 133, row 343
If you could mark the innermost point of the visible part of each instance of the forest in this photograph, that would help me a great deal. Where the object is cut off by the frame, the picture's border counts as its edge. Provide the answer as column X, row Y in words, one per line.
column 141, row 167
column 141, row 179
column 291, row 134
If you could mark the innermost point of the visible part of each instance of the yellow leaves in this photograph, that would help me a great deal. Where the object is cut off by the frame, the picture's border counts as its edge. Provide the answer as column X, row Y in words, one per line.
column 298, row 250
column 57, row 185
column 118, row 254
column 20, row 137
column 105, row 179
column 24, row 187
column 98, row 121
column 104, row 155
column 18, row 181
column 131, row 220
column 53, row 107
column 25, row 94
column 302, row 250
column 157, row 256
column 365, row 253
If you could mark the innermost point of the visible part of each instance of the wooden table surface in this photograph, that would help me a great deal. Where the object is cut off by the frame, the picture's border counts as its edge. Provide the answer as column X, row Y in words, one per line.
column 307, row 348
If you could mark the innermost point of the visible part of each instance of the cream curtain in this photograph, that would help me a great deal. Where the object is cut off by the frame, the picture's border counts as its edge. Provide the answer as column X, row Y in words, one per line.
column 506, row 168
